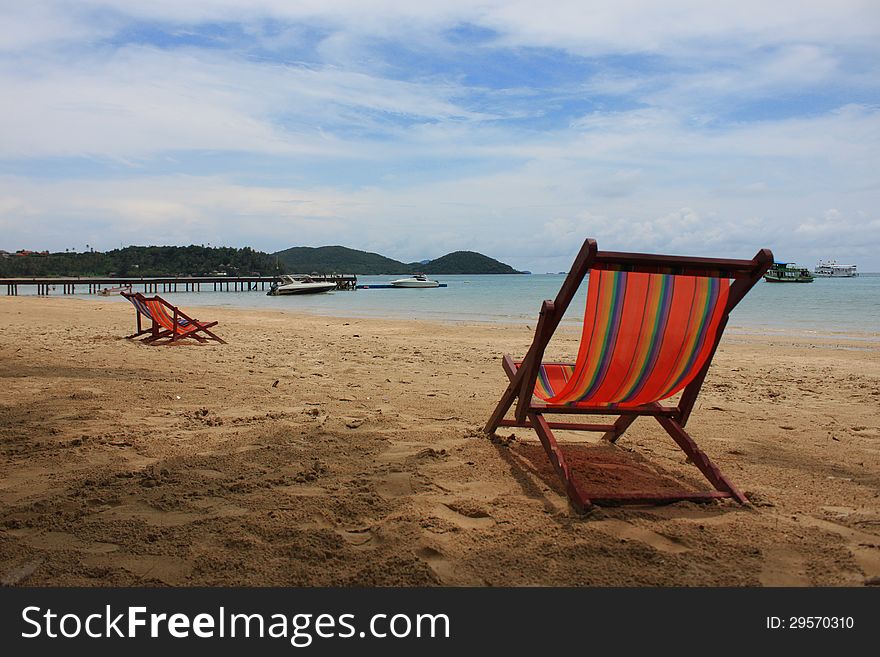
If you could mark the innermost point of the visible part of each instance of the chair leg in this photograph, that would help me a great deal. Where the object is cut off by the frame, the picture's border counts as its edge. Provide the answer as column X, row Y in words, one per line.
column 620, row 425
column 507, row 398
column 501, row 409
column 575, row 495
column 140, row 329
column 214, row 337
column 699, row 458
column 154, row 335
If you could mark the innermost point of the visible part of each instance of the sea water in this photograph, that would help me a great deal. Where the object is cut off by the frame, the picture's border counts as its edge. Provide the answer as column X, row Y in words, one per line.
column 824, row 307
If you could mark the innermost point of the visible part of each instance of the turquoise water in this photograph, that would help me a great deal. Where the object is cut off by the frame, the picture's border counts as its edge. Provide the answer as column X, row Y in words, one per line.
column 825, row 306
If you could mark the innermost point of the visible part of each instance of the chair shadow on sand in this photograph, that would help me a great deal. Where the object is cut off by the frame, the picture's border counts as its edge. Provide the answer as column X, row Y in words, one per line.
column 603, row 468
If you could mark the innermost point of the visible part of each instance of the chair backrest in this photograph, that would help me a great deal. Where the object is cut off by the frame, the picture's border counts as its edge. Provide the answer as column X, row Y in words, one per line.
column 137, row 300
column 159, row 308
column 645, row 336
column 651, row 326
column 155, row 309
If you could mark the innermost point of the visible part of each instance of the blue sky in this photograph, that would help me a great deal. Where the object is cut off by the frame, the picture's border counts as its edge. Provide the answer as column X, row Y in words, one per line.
column 512, row 128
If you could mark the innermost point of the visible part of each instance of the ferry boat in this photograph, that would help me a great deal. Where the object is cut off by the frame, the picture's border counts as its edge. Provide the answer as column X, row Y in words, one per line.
column 831, row 269
column 788, row 272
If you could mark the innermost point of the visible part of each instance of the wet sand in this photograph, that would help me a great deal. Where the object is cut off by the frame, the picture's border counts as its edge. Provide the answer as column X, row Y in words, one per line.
column 325, row 451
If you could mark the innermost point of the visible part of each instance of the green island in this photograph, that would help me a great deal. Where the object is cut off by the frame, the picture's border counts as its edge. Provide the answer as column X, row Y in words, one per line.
column 196, row 260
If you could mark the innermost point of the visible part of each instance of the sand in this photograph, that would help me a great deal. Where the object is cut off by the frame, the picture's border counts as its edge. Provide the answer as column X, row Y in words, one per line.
column 326, row 451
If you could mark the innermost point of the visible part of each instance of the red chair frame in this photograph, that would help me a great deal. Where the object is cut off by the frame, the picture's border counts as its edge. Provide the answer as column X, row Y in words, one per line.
column 530, row 411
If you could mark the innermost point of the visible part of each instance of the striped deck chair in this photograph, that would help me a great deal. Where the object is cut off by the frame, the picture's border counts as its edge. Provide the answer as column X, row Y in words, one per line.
column 167, row 323
column 651, row 327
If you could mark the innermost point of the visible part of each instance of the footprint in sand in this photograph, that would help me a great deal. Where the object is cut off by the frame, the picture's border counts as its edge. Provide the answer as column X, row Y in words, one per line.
column 400, row 452
column 17, row 486
column 65, row 541
column 169, row 570
column 438, row 563
column 783, row 566
column 211, row 507
column 361, row 538
column 301, row 490
column 865, row 547
column 464, row 514
column 135, row 460
column 395, row 484
column 627, row 531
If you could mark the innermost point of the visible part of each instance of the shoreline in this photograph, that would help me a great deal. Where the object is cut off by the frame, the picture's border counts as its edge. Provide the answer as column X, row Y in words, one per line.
column 322, row 450
column 738, row 330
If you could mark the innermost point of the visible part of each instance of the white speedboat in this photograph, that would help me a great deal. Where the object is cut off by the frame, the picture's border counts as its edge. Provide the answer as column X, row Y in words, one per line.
column 416, row 280
column 299, row 285
column 107, row 291
column 831, row 269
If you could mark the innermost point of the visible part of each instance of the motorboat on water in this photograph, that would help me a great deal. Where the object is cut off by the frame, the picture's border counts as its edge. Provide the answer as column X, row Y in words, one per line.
column 107, row 291
column 300, row 284
column 788, row 272
column 831, row 269
column 416, row 280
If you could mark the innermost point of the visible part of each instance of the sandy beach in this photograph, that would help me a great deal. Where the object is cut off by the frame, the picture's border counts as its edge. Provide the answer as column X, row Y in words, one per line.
column 325, row 451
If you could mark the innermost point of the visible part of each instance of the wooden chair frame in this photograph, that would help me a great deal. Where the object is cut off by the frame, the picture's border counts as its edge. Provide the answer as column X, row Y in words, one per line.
column 530, row 412
column 176, row 319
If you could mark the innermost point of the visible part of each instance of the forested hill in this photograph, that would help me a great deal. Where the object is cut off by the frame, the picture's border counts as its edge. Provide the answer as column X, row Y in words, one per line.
column 340, row 259
column 336, row 259
column 464, row 262
column 203, row 261
column 143, row 261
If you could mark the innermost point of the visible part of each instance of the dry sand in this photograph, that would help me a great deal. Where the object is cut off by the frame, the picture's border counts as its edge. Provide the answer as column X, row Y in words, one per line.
column 326, row 451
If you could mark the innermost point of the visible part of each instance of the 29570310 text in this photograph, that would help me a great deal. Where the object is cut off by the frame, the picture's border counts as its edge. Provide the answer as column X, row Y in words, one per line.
column 810, row 623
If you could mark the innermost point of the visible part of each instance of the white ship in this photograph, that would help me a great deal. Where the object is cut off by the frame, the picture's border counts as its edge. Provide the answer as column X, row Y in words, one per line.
column 831, row 269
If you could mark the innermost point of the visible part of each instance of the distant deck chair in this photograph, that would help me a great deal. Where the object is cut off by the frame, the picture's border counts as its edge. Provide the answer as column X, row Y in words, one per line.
column 651, row 327
column 168, row 323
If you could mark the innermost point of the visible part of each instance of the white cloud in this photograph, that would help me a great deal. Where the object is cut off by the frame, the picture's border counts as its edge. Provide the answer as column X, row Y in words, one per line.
column 581, row 26
column 679, row 26
column 138, row 101
column 416, row 162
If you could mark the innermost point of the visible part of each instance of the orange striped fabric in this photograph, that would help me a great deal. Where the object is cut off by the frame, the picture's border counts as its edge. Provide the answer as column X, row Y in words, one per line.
column 645, row 337
column 160, row 314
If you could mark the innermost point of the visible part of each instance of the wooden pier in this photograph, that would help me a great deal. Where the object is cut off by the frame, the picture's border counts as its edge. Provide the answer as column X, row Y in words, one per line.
column 165, row 284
